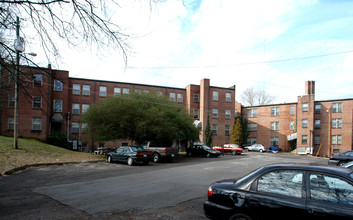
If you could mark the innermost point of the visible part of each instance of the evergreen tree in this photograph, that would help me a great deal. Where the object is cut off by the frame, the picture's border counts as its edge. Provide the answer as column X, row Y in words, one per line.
column 238, row 137
column 208, row 133
column 232, row 136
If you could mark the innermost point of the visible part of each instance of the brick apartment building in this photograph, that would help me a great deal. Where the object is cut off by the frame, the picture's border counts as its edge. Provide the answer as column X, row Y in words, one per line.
column 51, row 101
column 315, row 127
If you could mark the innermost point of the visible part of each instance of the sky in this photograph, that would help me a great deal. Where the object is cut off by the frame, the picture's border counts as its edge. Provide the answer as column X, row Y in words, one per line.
column 269, row 45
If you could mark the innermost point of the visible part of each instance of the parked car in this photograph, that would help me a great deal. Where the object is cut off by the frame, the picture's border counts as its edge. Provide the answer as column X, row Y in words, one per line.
column 160, row 151
column 229, row 148
column 130, row 155
column 199, row 149
column 284, row 191
column 341, row 158
column 256, row 147
column 348, row 165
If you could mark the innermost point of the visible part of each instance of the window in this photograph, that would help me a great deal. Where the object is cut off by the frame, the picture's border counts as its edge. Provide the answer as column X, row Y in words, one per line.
column 126, row 91
column 84, row 128
column 235, row 113
column 146, row 91
column 291, row 125
column 11, row 123
column 228, row 97
column 138, row 91
column 252, row 113
column 336, row 107
column 117, row 91
column 172, row 97
column 304, row 123
column 75, row 108
column 274, row 111
column 228, row 116
column 252, row 127
column 305, row 107
column 274, row 141
column 37, row 102
column 85, row 108
column 336, row 139
column 251, row 140
column 317, row 109
column 196, row 114
column 215, row 96
column 215, row 113
column 317, row 124
column 75, row 128
column 337, row 123
column 180, row 98
column 330, row 189
column 304, row 139
column 58, row 85
column 282, row 182
column 103, row 91
column 227, row 130
column 76, row 89
column 291, row 110
column 197, row 97
column 58, row 105
column 316, row 139
column 159, row 93
column 214, row 129
column 36, row 124
column 86, row 90
column 37, row 79
column 11, row 101
column 275, row 126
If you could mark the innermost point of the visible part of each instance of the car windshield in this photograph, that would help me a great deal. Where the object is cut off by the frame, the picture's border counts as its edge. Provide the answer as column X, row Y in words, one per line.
column 135, row 149
column 206, row 147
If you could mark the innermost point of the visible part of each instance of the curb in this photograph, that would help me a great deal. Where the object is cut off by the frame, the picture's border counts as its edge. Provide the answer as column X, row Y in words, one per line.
column 14, row 170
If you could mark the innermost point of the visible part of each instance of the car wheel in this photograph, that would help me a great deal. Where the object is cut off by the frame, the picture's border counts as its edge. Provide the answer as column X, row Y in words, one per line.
column 240, row 217
column 261, row 151
column 208, row 155
column 109, row 159
column 130, row 161
column 340, row 163
column 156, row 157
column 234, row 152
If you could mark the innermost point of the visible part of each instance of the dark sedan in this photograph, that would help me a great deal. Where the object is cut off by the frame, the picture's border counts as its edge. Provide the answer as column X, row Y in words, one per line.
column 341, row 158
column 130, row 155
column 284, row 191
column 200, row 149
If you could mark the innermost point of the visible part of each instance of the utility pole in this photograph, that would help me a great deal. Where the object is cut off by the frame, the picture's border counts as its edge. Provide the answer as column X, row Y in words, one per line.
column 17, row 78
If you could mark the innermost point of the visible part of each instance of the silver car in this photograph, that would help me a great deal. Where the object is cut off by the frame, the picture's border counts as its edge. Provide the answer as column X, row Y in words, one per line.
column 256, row 147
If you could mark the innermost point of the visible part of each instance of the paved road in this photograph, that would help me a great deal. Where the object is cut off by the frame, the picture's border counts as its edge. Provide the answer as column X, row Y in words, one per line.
column 116, row 191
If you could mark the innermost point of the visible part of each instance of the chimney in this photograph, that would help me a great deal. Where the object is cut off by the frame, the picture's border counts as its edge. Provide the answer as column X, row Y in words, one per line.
column 310, row 88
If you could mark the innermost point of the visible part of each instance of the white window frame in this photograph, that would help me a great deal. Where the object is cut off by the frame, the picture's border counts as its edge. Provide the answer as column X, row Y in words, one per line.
column 214, row 129
column 228, row 114
column 228, row 97
column 336, row 139
column 215, row 113
column 337, row 123
column 305, row 107
column 291, row 110
column 305, row 123
column 196, row 97
column 252, row 113
column 305, row 139
column 103, row 91
column 317, row 124
column 75, row 127
column 85, row 108
column 58, row 85
column 215, row 95
column 274, row 141
column 275, row 111
column 36, row 124
column 172, row 97
column 75, row 108
column 196, row 114
column 275, row 126
column 37, row 79
column 227, row 130
column 117, row 91
column 337, row 107
column 138, row 91
column 180, row 98
column 252, row 127
column 251, row 140
column 317, row 109
column 126, row 91
column 86, row 90
column 291, row 125
column 76, row 89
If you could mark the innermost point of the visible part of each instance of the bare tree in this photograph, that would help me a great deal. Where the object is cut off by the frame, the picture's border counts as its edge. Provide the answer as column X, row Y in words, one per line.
column 253, row 97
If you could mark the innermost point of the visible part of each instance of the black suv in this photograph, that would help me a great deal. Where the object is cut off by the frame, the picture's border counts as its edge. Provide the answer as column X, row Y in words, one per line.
column 284, row 191
column 199, row 149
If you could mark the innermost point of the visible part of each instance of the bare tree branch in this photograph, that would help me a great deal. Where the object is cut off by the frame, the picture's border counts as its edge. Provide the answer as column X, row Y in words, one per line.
column 252, row 97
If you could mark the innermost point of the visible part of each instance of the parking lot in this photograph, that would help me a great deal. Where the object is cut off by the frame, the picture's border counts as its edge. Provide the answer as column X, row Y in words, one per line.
column 165, row 190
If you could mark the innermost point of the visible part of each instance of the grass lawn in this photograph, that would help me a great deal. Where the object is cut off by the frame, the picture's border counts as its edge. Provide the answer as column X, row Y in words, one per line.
column 35, row 152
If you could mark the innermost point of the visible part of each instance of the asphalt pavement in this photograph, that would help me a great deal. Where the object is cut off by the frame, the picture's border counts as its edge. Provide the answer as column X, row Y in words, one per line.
column 165, row 190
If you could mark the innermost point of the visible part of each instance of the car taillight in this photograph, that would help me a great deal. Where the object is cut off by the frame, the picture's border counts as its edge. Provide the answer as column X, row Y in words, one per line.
column 165, row 149
column 210, row 191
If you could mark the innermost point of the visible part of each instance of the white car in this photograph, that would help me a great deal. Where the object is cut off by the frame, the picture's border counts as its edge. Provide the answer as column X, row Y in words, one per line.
column 256, row 147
